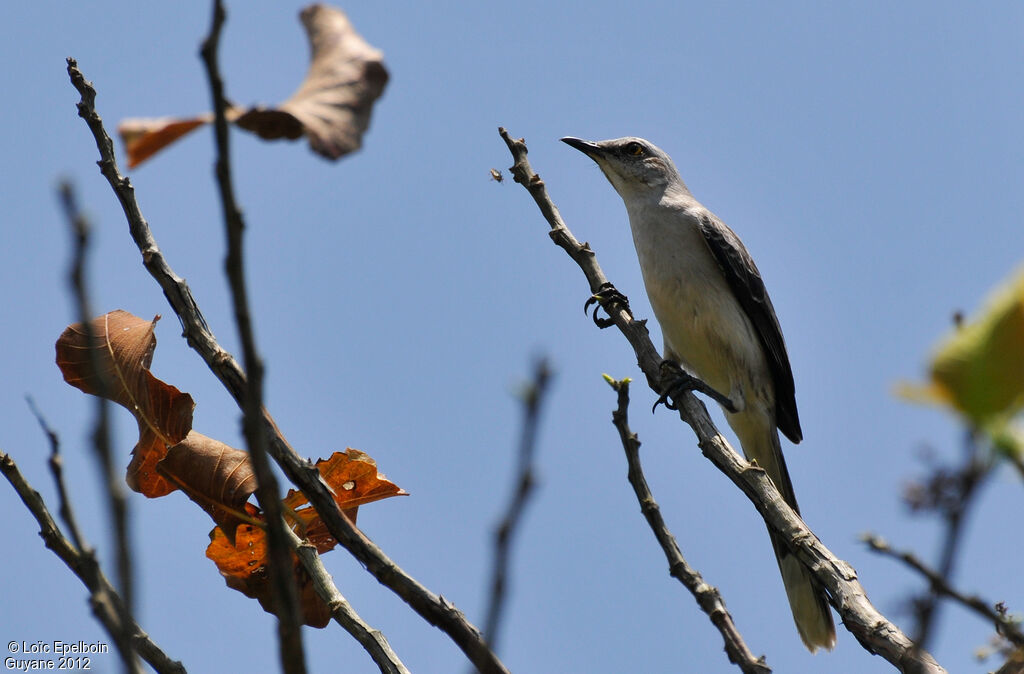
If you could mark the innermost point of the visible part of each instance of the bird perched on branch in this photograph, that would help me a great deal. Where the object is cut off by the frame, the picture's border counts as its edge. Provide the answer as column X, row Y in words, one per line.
column 719, row 325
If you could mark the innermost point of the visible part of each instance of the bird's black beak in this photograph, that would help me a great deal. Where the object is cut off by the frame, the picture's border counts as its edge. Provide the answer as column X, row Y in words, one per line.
column 592, row 150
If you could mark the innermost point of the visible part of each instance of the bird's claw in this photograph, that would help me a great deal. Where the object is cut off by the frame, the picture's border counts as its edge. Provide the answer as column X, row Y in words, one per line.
column 607, row 297
column 675, row 382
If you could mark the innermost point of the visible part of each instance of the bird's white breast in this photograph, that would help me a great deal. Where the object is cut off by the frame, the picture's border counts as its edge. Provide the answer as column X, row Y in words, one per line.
column 700, row 320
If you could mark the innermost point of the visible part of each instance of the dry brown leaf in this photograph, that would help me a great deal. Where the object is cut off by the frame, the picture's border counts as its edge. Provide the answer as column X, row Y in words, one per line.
column 333, row 104
column 122, row 347
column 331, row 107
column 219, row 478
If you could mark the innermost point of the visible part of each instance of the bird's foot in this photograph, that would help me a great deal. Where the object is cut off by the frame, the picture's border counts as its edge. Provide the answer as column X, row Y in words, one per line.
column 607, row 297
column 675, row 382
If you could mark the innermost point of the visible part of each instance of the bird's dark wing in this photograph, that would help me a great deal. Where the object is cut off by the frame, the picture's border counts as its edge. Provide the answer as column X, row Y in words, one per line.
column 741, row 273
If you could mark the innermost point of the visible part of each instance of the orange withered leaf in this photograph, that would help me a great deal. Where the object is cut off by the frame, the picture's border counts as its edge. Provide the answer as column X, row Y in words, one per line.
column 352, row 476
column 243, row 565
column 331, row 107
column 247, row 555
column 142, row 475
column 143, row 138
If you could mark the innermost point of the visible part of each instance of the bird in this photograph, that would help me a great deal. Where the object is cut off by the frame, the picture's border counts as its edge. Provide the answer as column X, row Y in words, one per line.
column 718, row 323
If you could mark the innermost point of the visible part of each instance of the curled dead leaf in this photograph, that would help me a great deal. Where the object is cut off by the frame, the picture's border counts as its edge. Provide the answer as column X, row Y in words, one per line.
column 218, row 478
column 121, row 348
column 333, row 104
column 331, row 107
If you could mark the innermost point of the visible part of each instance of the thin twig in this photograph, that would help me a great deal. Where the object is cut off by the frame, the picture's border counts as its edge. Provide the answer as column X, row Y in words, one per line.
column 708, row 597
column 956, row 508
column 282, row 578
column 874, row 631
column 107, row 605
column 57, row 469
column 117, row 501
column 372, row 640
column 533, row 398
column 434, row 609
column 940, row 585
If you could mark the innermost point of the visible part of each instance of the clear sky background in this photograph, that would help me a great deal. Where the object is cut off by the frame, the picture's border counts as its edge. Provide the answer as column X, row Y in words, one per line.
column 869, row 154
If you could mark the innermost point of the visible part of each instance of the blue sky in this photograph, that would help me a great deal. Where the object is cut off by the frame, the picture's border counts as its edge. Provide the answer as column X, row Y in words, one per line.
column 867, row 153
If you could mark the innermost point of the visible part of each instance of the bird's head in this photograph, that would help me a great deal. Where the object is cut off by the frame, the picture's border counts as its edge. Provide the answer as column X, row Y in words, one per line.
column 635, row 167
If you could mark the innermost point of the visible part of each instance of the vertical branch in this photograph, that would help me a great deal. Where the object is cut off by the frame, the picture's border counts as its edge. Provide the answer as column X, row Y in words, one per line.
column 101, row 431
column 267, row 492
column 955, row 509
column 533, row 397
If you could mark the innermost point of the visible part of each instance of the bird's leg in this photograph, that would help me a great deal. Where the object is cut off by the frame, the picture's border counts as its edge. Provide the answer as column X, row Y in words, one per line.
column 675, row 382
column 607, row 297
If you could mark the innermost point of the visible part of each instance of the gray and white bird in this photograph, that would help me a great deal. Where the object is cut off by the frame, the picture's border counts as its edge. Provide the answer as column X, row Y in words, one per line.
column 719, row 324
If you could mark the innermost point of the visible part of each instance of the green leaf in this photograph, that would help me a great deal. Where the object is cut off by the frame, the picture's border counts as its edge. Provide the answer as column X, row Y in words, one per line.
column 978, row 369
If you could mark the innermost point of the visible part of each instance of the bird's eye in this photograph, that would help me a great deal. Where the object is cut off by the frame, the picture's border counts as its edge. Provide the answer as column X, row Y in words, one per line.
column 635, row 149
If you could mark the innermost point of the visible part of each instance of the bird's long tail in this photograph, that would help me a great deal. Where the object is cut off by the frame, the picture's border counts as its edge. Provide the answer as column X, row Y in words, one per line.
column 811, row 611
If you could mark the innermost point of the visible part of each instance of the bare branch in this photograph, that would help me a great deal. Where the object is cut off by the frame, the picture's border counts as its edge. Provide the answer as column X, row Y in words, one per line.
column 57, row 469
column 117, row 502
column 940, row 586
column 371, row 639
column 432, row 608
column 873, row 630
column 708, row 597
column 286, row 596
column 107, row 605
column 953, row 499
column 533, row 398
column 195, row 329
